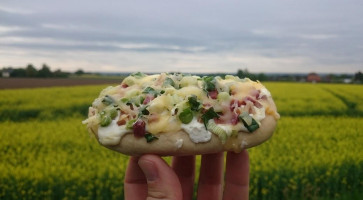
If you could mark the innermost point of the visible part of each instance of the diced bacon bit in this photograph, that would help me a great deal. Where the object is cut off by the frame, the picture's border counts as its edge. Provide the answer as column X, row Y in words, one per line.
column 255, row 93
column 148, row 98
column 121, row 122
column 258, row 95
column 139, row 128
column 124, row 85
column 122, row 119
column 250, row 99
column 234, row 119
column 131, row 106
column 235, row 104
column 228, row 116
column 213, row 94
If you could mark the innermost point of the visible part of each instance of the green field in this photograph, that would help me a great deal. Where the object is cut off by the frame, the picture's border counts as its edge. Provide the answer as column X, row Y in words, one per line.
column 315, row 153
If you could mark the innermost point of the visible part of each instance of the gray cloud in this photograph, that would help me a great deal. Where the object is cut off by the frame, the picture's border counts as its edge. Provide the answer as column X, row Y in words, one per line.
column 268, row 36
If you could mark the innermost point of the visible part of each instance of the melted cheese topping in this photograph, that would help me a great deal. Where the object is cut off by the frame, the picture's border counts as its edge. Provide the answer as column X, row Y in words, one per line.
column 165, row 96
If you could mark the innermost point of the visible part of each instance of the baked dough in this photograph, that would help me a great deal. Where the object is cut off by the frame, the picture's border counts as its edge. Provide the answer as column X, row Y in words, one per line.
column 177, row 143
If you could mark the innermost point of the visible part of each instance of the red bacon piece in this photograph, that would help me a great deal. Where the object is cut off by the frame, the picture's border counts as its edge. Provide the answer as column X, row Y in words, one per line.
column 139, row 128
column 255, row 102
column 235, row 103
column 213, row 94
column 234, row 119
column 147, row 99
column 255, row 93
column 121, row 122
column 124, row 85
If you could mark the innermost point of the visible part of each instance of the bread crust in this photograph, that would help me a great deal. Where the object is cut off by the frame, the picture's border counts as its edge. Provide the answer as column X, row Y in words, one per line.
column 167, row 144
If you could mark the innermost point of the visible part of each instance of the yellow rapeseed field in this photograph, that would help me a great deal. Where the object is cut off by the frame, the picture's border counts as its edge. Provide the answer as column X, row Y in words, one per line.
column 315, row 153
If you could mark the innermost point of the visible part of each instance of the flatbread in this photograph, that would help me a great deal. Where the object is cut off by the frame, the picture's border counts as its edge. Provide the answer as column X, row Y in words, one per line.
column 177, row 143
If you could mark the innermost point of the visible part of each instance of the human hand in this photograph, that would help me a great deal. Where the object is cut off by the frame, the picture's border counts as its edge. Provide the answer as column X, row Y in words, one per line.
column 150, row 177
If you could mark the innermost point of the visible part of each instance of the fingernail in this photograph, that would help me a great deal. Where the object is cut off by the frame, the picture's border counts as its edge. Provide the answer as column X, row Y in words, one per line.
column 149, row 169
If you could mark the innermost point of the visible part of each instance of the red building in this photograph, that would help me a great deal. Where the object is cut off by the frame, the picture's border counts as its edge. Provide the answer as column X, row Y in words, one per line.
column 313, row 77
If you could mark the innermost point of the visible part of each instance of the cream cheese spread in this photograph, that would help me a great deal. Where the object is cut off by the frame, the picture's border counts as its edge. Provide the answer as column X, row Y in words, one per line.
column 260, row 113
column 112, row 134
column 197, row 131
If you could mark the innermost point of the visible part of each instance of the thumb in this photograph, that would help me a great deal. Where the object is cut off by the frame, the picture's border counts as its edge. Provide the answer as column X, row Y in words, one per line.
column 162, row 182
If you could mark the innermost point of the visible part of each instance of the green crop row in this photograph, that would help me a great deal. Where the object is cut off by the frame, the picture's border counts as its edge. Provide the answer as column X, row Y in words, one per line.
column 55, row 160
column 307, row 158
column 304, row 99
column 47, row 103
column 292, row 99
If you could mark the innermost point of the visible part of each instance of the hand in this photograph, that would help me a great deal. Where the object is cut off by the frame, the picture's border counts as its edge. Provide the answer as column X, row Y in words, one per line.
column 150, row 177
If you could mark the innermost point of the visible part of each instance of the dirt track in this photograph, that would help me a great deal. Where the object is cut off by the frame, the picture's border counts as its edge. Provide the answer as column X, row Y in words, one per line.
column 13, row 83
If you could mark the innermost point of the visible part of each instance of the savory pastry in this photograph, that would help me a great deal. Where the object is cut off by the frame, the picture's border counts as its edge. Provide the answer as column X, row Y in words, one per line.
column 176, row 114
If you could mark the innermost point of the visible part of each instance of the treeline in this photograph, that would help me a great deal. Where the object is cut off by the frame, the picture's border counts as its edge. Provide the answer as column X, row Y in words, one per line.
column 46, row 72
column 242, row 74
column 288, row 77
column 31, row 72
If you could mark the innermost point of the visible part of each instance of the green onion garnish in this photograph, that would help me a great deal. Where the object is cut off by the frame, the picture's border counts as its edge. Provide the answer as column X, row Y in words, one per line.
column 186, row 116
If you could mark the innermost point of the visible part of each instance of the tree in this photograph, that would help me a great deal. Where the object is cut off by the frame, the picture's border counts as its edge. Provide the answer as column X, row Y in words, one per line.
column 261, row 77
column 60, row 74
column 245, row 74
column 19, row 72
column 358, row 77
column 30, row 71
column 79, row 72
column 44, row 71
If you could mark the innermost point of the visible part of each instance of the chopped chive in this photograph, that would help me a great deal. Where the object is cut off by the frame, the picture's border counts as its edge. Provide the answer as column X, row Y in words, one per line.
column 150, row 137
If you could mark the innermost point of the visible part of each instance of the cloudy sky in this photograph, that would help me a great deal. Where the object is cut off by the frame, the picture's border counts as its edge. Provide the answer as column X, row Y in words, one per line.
column 186, row 36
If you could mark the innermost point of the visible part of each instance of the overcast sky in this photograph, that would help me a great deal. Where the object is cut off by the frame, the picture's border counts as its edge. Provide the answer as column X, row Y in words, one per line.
column 185, row 36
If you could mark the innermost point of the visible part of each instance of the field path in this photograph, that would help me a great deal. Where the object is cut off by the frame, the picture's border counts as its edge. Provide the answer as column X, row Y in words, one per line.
column 14, row 83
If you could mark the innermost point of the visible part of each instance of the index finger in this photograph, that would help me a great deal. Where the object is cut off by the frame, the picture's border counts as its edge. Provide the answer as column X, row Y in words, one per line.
column 237, row 176
column 135, row 185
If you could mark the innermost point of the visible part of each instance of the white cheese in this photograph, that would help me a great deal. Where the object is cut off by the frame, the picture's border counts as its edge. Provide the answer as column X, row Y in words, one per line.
column 179, row 143
column 196, row 131
column 111, row 134
column 264, row 91
column 259, row 114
